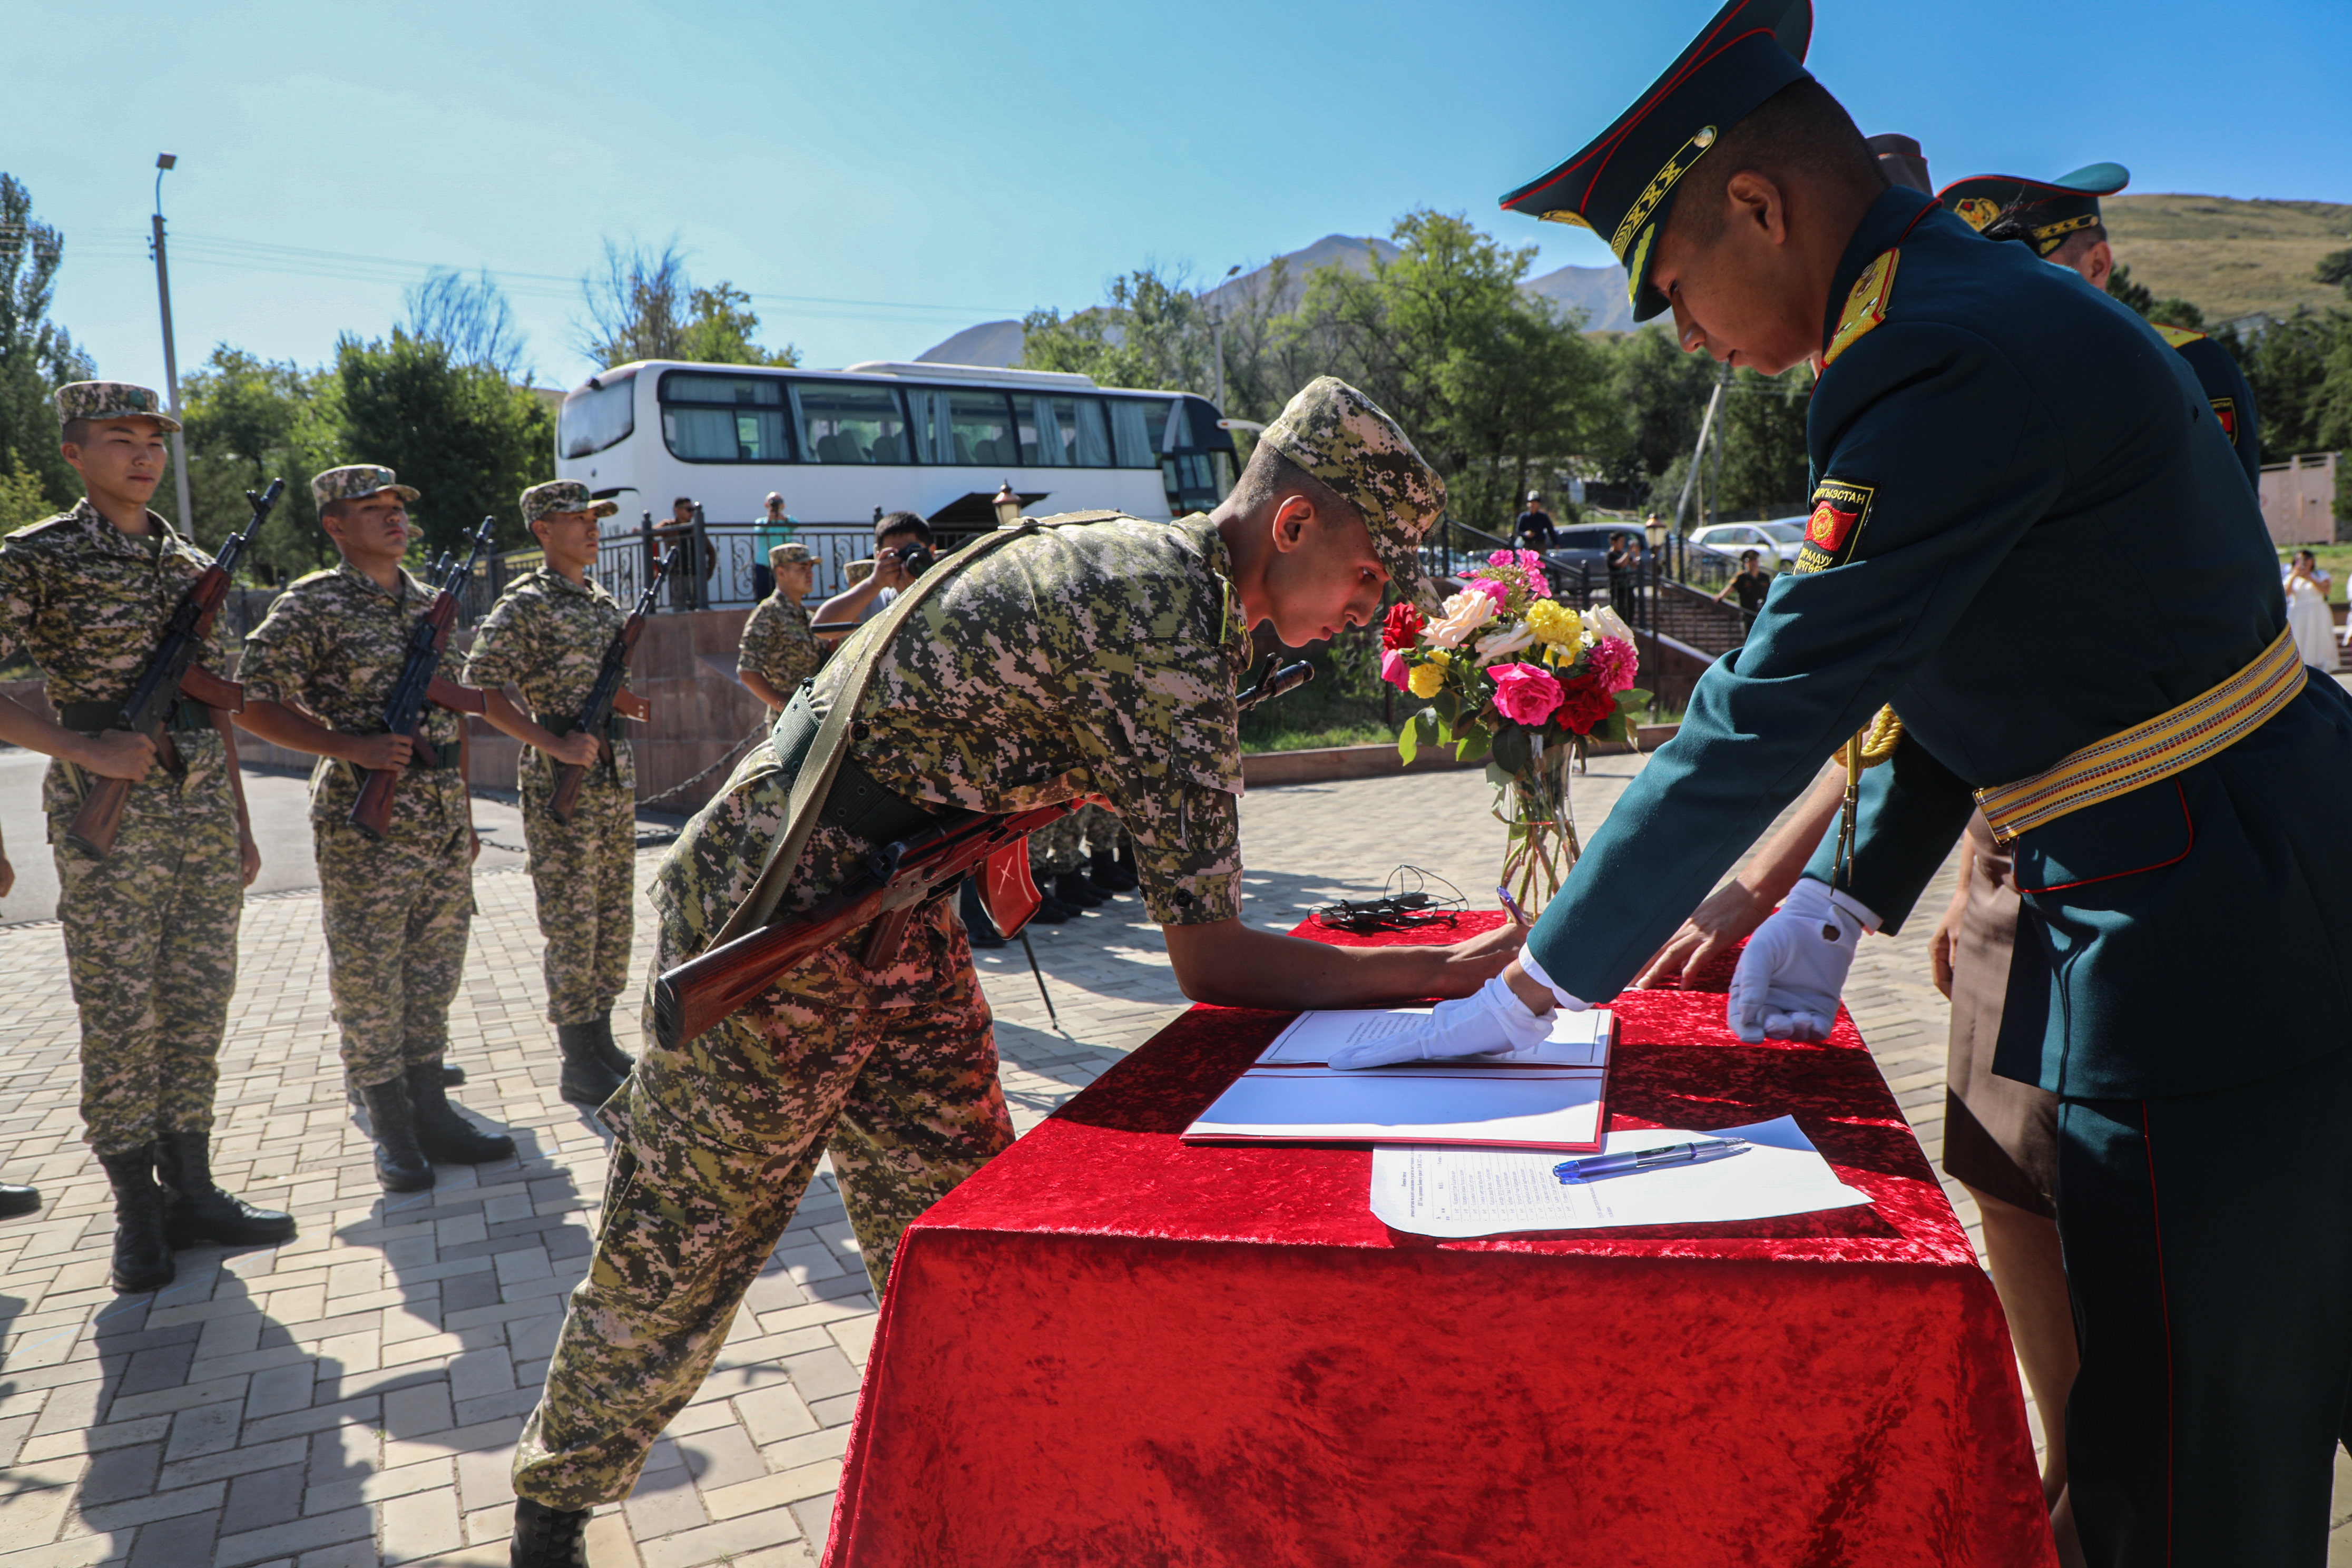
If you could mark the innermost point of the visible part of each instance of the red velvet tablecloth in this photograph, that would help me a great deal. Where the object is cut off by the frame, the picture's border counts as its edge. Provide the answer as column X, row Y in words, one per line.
column 1110, row 1348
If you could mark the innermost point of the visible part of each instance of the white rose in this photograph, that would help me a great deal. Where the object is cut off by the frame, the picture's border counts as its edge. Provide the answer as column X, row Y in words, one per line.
column 1510, row 640
column 1613, row 625
column 1465, row 613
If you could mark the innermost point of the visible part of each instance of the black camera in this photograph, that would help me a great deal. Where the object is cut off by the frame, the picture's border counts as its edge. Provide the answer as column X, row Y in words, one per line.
column 916, row 558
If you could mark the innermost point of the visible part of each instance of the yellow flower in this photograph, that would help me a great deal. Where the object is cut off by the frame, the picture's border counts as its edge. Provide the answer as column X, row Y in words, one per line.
column 1554, row 623
column 1428, row 679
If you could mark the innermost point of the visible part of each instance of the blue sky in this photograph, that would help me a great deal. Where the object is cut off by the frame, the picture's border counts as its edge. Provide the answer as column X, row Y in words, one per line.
column 879, row 175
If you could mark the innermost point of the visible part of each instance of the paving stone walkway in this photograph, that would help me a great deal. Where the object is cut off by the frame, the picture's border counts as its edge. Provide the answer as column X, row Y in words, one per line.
column 352, row 1398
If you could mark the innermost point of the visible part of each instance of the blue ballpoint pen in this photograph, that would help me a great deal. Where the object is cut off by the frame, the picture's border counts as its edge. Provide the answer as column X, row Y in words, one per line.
column 1594, row 1165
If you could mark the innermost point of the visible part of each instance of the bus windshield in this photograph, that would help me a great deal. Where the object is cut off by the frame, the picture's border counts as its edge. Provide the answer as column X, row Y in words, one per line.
column 599, row 416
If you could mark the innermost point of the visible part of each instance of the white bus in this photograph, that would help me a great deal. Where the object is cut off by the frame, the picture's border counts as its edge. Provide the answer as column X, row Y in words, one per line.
column 843, row 447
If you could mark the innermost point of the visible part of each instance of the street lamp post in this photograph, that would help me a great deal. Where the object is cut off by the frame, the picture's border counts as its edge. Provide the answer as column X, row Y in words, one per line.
column 163, row 163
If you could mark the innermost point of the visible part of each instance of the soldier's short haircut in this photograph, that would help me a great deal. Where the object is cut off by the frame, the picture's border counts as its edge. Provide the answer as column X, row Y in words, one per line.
column 332, row 510
column 903, row 523
column 1800, row 127
column 2074, row 245
column 1271, row 475
column 76, row 431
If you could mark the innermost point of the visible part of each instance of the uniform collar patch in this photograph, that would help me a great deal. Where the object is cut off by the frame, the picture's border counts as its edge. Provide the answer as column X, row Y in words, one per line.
column 1865, row 305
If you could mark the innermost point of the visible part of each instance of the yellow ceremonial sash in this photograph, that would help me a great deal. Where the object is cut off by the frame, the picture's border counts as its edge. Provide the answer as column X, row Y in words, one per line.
column 2163, row 746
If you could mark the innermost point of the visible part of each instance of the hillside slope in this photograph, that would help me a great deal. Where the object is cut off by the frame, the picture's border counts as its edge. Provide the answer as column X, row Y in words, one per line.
column 2229, row 258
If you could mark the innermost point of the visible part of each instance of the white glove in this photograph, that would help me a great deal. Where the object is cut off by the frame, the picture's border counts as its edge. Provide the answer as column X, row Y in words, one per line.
column 1787, row 984
column 1492, row 1018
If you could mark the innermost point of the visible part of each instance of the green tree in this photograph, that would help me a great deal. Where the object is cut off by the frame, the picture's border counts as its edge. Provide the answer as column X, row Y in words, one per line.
column 37, row 355
column 1659, row 394
column 468, row 440
column 642, row 305
column 1152, row 333
column 22, row 498
column 2171, row 311
column 250, row 420
column 1765, row 463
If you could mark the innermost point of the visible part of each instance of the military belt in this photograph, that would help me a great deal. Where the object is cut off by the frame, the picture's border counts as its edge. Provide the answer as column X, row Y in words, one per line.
column 94, row 718
column 858, row 804
column 2167, row 744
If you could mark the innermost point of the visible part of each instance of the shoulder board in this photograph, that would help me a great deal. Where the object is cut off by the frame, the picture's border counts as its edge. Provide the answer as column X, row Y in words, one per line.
column 309, row 577
column 1070, row 519
column 1865, row 305
column 2177, row 337
column 47, row 524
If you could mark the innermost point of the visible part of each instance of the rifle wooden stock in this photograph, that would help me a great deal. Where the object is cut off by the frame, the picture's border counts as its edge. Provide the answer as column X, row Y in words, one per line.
column 704, row 991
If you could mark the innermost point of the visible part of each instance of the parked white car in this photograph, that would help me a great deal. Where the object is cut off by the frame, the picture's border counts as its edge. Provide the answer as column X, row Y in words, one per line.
column 1778, row 539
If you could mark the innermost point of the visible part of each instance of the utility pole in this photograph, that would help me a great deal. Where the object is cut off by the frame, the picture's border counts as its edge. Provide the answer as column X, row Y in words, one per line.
column 1217, row 355
column 164, row 161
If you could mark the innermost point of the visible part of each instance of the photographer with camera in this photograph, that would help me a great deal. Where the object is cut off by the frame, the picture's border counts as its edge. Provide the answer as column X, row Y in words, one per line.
column 902, row 552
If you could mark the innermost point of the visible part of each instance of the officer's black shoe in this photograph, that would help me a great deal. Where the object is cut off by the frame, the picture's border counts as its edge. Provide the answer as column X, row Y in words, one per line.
column 609, row 1051
column 196, row 1211
column 141, row 1260
column 1051, row 910
column 548, row 1536
column 452, row 1074
column 976, row 923
column 1073, row 888
column 1104, row 871
column 443, row 1135
column 400, row 1163
column 14, row 1201
column 586, row 1080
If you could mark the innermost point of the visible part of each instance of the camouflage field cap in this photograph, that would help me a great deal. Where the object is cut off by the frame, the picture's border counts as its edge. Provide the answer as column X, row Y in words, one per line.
column 111, row 400
column 357, row 481
column 1342, row 438
column 788, row 554
column 561, row 496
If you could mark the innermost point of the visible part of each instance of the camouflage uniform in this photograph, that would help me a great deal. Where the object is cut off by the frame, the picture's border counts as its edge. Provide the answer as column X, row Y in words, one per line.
column 1095, row 658
column 777, row 644
column 151, row 929
column 1101, row 829
column 547, row 635
column 396, row 912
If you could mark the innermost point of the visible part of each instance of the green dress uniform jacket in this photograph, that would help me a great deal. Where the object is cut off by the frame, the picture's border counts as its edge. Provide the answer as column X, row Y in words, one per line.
column 2029, row 534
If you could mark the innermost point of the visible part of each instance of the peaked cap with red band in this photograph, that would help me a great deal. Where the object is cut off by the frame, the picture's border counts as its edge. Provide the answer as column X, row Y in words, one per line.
column 1621, row 184
column 2043, row 213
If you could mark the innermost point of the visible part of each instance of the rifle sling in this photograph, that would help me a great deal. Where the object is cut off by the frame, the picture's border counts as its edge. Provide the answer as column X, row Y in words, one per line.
column 828, row 748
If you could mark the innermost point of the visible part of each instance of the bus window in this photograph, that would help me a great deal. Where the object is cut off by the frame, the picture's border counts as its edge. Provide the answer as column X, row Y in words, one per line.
column 601, row 415
column 962, row 426
column 1061, row 432
column 1139, row 426
column 724, row 418
column 841, row 422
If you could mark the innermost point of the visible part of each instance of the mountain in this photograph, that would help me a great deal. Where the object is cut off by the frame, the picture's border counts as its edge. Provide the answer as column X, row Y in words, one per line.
column 991, row 343
column 1599, row 290
column 2229, row 258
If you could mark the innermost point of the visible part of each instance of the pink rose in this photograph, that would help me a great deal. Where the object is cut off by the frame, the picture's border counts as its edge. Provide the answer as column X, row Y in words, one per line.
column 1611, row 665
column 1524, row 693
column 1395, row 670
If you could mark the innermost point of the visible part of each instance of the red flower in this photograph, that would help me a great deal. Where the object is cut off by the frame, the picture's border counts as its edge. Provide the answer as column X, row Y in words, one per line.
column 1403, row 628
column 1584, row 703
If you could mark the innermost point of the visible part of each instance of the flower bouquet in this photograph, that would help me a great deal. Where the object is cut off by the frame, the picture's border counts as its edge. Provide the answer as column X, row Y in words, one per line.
column 1515, row 677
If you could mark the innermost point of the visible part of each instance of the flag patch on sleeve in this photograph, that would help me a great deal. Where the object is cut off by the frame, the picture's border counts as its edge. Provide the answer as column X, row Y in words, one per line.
column 1841, row 508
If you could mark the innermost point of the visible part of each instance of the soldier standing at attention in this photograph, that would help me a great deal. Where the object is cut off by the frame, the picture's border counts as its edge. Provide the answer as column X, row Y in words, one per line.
column 1983, row 429
column 546, row 638
column 14, row 1200
column 777, row 650
column 1099, row 655
column 318, row 671
column 150, row 929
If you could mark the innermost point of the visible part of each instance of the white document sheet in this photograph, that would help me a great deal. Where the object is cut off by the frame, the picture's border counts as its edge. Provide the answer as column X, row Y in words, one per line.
column 1577, row 1039
column 1494, row 1192
column 1423, row 1103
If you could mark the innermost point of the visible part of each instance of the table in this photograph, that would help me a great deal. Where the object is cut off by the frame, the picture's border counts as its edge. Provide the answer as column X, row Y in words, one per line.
column 1107, row 1347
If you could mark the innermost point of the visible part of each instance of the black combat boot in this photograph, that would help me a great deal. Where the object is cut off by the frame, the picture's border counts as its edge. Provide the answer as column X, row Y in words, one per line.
column 1073, row 888
column 141, row 1260
column 400, row 1163
column 14, row 1201
column 548, row 1536
column 608, row 1049
column 1051, row 910
column 1103, row 871
column 586, row 1080
column 976, row 923
column 443, row 1135
column 196, row 1211
column 451, row 1075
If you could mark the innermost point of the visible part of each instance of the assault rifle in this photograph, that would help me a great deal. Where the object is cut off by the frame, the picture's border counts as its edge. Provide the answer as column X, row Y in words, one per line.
column 170, row 672
column 420, row 682
column 894, row 882
column 597, row 711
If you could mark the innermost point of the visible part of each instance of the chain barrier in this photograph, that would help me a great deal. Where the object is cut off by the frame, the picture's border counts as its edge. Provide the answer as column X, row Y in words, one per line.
column 654, row 803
